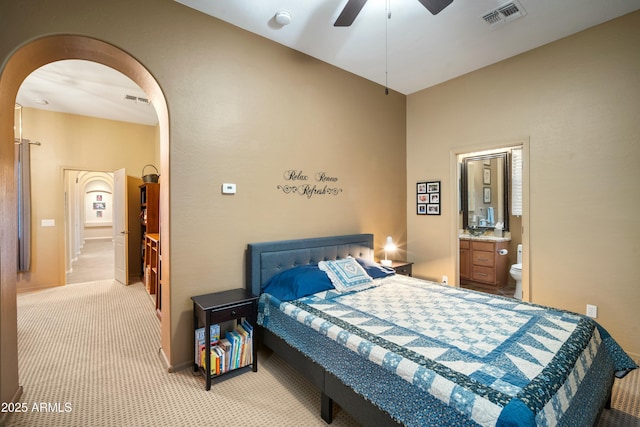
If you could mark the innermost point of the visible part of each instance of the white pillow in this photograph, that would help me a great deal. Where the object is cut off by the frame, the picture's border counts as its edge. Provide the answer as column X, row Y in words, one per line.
column 346, row 274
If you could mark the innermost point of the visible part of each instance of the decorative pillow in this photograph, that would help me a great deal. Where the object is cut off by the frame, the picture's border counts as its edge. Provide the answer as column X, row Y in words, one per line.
column 297, row 282
column 375, row 270
column 346, row 274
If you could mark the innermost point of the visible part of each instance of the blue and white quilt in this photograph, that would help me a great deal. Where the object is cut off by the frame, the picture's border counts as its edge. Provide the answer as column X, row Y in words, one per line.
column 497, row 361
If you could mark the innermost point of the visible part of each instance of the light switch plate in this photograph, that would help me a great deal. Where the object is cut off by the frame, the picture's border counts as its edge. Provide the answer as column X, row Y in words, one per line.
column 228, row 188
column 48, row 222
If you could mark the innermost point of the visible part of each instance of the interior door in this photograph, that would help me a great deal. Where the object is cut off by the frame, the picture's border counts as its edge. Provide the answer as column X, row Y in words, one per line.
column 120, row 226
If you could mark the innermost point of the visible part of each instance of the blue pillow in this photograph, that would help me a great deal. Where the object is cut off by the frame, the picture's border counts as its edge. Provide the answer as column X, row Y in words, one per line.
column 297, row 282
column 346, row 274
column 375, row 270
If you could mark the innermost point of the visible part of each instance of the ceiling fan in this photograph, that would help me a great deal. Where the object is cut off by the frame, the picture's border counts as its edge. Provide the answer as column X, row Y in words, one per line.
column 353, row 8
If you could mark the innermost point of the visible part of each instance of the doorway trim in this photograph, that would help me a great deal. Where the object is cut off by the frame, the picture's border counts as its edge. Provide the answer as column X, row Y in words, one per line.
column 454, row 242
column 23, row 62
column 74, row 218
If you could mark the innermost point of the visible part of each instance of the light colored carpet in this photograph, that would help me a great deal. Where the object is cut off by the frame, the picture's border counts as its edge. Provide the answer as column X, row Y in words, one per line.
column 95, row 262
column 94, row 348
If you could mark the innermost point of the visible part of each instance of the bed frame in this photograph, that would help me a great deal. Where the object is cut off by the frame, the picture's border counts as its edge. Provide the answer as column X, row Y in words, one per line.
column 264, row 260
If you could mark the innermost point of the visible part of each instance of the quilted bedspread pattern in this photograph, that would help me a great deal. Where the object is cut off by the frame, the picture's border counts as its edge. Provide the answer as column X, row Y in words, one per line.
column 496, row 360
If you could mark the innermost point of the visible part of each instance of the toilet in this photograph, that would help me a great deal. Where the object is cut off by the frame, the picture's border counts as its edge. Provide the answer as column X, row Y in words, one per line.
column 516, row 273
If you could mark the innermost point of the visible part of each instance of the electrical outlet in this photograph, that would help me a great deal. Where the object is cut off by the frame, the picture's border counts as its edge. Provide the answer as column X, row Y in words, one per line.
column 592, row 311
column 445, row 280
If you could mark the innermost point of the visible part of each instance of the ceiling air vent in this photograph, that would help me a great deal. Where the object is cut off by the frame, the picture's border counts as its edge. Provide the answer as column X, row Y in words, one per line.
column 492, row 17
column 505, row 13
column 509, row 9
column 137, row 99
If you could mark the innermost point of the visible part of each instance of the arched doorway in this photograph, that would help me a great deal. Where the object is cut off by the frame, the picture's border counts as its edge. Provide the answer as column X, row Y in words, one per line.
column 23, row 62
column 89, row 226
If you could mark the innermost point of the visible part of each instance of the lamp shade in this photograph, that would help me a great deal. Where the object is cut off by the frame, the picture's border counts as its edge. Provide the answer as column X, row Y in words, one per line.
column 389, row 246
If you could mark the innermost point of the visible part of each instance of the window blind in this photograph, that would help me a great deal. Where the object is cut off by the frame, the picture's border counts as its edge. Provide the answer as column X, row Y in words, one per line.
column 516, row 181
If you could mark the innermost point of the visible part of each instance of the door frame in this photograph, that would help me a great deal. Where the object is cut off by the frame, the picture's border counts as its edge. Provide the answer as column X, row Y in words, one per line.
column 26, row 59
column 454, row 242
column 120, row 229
column 71, row 239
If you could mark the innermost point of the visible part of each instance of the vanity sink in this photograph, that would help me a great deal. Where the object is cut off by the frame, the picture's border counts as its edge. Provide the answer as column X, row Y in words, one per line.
column 484, row 238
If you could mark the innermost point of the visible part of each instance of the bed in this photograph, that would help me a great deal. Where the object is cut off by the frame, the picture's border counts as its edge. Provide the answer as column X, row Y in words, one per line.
column 397, row 350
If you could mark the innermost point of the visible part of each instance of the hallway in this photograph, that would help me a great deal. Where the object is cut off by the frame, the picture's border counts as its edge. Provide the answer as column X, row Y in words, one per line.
column 95, row 262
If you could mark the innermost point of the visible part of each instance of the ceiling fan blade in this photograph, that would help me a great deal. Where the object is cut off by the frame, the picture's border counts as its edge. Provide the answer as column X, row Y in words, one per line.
column 435, row 6
column 349, row 13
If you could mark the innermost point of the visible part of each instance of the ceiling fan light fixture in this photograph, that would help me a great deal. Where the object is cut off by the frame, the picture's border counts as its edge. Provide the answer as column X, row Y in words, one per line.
column 283, row 17
column 435, row 6
column 353, row 7
column 349, row 13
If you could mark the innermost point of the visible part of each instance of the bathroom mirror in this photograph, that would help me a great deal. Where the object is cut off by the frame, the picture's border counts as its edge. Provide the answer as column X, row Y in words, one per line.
column 485, row 194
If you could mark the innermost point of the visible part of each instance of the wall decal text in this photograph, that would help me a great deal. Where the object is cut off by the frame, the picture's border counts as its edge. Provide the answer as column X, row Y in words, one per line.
column 320, row 184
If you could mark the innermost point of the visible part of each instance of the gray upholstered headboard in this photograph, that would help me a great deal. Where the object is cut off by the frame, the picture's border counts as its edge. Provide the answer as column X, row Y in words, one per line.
column 264, row 260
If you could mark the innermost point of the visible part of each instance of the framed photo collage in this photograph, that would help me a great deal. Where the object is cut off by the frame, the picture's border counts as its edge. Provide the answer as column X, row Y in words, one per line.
column 428, row 198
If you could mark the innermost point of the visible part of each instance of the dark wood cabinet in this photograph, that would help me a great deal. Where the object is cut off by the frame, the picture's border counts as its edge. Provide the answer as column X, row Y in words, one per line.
column 220, row 307
column 465, row 260
column 482, row 267
column 402, row 267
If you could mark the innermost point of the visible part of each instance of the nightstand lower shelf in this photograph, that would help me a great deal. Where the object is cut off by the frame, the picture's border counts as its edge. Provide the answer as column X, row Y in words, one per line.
column 237, row 351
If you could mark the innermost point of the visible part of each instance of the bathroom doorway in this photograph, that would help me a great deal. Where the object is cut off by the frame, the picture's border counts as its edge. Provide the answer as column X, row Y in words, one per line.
column 518, row 225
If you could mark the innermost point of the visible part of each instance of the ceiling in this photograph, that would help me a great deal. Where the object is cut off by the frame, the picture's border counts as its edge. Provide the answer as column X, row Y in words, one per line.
column 413, row 49
column 410, row 51
column 86, row 88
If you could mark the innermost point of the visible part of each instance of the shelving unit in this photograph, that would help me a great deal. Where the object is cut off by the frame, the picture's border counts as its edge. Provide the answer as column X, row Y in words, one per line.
column 220, row 307
column 152, row 262
column 159, row 283
column 150, row 226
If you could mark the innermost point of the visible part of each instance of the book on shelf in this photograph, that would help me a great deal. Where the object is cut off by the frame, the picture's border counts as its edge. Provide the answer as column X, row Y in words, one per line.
column 234, row 338
column 249, row 351
column 234, row 350
column 225, row 345
column 199, row 341
column 245, row 344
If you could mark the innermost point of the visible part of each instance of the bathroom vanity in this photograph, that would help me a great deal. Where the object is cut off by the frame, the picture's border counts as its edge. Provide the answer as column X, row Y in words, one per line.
column 482, row 267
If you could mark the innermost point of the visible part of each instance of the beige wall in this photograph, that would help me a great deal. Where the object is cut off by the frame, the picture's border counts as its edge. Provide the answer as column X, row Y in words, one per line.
column 244, row 110
column 72, row 142
column 576, row 101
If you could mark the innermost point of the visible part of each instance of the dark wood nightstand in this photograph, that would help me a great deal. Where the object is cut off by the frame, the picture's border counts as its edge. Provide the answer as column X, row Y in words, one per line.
column 219, row 307
column 402, row 267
